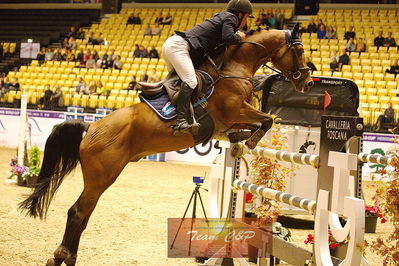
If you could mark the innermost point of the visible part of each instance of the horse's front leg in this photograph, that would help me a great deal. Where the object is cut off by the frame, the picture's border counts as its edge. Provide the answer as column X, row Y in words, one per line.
column 249, row 115
column 244, row 133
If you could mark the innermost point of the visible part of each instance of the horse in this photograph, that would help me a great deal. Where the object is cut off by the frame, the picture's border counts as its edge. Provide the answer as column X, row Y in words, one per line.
column 104, row 147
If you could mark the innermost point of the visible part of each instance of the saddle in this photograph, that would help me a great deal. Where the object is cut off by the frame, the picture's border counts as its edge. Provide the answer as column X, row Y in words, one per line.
column 172, row 84
column 161, row 98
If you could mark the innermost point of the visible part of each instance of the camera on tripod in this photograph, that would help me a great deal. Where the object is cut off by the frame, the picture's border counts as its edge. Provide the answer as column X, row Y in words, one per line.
column 198, row 179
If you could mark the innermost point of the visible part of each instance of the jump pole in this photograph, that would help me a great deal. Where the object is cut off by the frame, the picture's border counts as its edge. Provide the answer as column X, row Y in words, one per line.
column 22, row 128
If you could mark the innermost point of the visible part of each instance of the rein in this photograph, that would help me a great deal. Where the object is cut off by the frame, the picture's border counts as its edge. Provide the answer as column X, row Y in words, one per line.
column 296, row 74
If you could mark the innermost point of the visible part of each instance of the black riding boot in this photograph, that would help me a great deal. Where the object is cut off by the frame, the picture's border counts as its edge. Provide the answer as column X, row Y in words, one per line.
column 183, row 109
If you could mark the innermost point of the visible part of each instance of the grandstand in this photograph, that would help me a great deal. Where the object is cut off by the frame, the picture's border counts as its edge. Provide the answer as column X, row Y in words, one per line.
column 367, row 69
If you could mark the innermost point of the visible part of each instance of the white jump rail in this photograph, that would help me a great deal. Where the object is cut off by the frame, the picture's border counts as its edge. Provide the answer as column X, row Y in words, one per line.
column 306, row 204
column 240, row 149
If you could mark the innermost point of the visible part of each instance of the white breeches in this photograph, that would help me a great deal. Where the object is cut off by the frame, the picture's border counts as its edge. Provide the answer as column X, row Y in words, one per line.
column 175, row 51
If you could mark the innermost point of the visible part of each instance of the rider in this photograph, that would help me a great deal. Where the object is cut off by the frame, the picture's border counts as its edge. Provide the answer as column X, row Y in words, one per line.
column 184, row 48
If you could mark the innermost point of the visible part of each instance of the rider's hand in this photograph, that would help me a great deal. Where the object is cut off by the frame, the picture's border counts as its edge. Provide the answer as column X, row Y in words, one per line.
column 242, row 34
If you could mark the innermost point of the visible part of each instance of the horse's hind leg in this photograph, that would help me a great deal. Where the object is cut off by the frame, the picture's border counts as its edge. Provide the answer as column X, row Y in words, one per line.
column 98, row 176
column 78, row 216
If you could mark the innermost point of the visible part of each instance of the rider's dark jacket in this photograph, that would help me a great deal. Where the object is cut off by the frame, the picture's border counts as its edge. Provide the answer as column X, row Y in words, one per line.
column 204, row 37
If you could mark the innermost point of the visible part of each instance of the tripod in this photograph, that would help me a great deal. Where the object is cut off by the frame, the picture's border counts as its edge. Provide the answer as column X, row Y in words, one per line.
column 196, row 193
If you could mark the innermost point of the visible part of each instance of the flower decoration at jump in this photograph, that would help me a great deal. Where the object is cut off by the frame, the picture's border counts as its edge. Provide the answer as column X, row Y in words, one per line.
column 374, row 211
column 270, row 173
column 331, row 240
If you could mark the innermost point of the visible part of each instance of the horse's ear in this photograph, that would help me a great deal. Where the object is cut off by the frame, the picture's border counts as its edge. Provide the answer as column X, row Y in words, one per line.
column 295, row 31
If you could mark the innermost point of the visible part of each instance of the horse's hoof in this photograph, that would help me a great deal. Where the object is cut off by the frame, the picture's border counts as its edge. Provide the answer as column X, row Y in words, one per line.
column 50, row 262
column 251, row 144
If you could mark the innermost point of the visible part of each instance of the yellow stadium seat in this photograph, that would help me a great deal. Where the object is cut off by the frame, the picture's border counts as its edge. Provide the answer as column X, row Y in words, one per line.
column 366, row 69
column 380, row 84
column 76, row 100
column 391, row 85
column 371, row 91
column 372, row 99
column 389, row 77
column 362, row 91
column 110, row 103
column 356, row 69
column 102, row 101
column 369, row 84
column 382, row 92
column 347, row 75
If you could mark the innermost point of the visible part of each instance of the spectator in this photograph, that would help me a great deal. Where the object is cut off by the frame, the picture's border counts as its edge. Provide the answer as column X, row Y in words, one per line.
column 259, row 20
column 93, row 87
column 331, row 33
column 351, row 45
column 100, row 88
column 321, row 32
column 45, row 101
column 63, row 55
column 80, row 56
column 350, row 34
column 86, row 56
column 14, row 84
column 1, row 51
column 143, row 51
column 65, row 43
column 379, row 40
column 57, row 99
column 272, row 20
column 72, row 43
column 81, row 87
column 132, row 84
column 81, row 34
column 100, row 39
column 387, row 117
column 394, row 69
column 144, row 77
column 148, row 30
column 95, row 55
column 57, row 55
column 154, row 76
column 92, row 39
column 110, row 63
column 5, row 86
column 312, row 27
column 70, row 57
column 153, row 53
column 343, row 59
column 134, row 19
column 118, row 63
column 41, row 56
column 102, row 63
column 360, row 46
column 334, row 66
column 49, row 55
column 159, row 18
column 72, row 32
column 319, row 23
column 136, row 52
column 156, row 31
column 389, row 41
column 167, row 20
column 91, row 62
column 310, row 65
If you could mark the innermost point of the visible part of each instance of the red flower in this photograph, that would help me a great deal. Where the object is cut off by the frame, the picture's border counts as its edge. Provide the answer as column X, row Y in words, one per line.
column 334, row 245
column 248, row 197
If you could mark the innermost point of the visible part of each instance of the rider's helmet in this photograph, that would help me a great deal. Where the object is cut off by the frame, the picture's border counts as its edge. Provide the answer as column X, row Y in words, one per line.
column 243, row 6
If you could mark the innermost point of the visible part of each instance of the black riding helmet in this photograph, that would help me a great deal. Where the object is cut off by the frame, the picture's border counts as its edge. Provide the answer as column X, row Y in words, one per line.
column 243, row 6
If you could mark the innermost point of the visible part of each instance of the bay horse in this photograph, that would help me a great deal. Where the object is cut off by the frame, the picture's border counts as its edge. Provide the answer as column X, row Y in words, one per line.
column 104, row 147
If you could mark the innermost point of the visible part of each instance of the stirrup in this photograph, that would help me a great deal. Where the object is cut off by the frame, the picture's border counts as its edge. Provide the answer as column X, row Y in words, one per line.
column 178, row 131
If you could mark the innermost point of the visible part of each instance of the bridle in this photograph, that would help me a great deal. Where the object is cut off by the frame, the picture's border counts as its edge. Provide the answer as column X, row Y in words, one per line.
column 290, row 43
column 296, row 74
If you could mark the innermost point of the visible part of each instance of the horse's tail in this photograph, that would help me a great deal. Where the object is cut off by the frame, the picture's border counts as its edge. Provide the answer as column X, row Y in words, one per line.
column 61, row 155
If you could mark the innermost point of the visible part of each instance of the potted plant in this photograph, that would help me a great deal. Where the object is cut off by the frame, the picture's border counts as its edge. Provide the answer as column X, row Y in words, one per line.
column 34, row 167
column 372, row 213
column 337, row 249
column 27, row 174
column 17, row 172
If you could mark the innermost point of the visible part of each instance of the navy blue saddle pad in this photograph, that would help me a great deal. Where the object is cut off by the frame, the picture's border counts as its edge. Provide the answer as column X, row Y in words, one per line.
column 162, row 106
